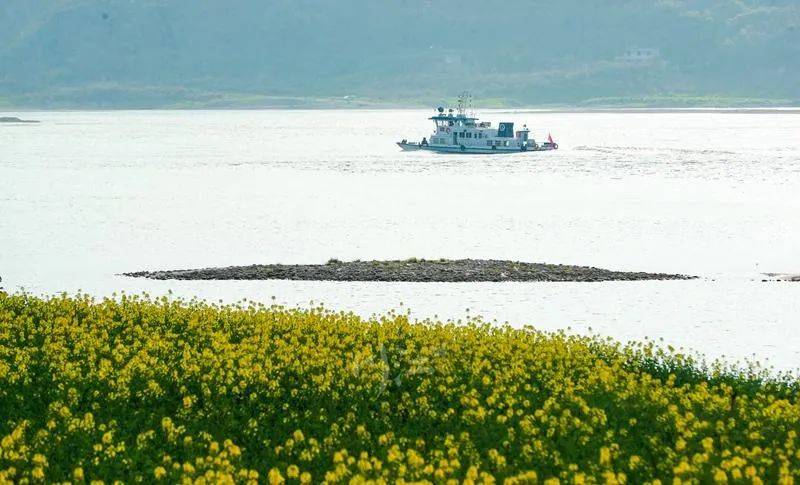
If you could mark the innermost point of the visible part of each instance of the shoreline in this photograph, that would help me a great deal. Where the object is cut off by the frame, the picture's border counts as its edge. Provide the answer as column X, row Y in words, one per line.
column 546, row 109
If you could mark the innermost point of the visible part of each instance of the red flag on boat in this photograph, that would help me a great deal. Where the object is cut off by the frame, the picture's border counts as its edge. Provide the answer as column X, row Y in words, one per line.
column 550, row 138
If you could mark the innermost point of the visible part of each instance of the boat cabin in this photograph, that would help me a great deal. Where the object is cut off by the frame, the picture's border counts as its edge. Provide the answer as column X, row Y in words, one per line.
column 459, row 130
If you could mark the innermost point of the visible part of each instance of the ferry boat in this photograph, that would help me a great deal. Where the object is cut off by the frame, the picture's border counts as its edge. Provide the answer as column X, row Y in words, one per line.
column 459, row 133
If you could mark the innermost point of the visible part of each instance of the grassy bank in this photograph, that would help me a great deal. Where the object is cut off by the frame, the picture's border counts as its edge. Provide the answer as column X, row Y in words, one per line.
column 140, row 390
column 114, row 96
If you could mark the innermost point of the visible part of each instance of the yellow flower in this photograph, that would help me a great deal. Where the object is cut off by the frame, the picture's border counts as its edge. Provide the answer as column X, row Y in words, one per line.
column 39, row 460
column 274, row 477
column 605, row 456
column 390, row 400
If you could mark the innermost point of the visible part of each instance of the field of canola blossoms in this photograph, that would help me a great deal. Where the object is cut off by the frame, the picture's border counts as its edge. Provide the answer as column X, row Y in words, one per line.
column 142, row 390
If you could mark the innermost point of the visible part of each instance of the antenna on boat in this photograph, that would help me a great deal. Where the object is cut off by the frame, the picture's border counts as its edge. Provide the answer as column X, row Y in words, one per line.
column 465, row 104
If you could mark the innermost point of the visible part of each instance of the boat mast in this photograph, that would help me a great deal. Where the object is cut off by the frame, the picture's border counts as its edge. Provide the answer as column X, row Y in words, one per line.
column 465, row 104
column 462, row 102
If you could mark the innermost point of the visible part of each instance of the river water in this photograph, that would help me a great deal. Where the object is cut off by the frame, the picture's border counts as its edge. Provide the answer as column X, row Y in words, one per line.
column 85, row 196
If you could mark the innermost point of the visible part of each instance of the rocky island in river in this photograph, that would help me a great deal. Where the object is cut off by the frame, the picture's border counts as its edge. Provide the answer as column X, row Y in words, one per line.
column 14, row 119
column 410, row 270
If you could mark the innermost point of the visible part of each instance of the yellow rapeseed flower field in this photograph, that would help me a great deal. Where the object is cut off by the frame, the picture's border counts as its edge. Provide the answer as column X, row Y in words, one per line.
column 143, row 390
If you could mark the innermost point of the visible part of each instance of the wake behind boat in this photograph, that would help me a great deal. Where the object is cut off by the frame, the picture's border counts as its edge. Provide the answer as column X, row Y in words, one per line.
column 459, row 133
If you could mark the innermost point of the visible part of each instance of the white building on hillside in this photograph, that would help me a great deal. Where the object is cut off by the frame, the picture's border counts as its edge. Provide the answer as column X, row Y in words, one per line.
column 640, row 55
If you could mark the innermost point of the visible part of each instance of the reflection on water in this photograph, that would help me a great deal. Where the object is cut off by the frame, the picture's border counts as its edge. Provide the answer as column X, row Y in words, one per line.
column 87, row 195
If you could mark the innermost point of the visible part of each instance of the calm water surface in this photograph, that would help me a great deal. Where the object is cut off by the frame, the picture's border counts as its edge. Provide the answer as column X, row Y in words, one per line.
column 85, row 196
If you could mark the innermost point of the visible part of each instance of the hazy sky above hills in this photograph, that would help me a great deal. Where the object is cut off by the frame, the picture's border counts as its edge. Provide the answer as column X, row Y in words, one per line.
column 202, row 52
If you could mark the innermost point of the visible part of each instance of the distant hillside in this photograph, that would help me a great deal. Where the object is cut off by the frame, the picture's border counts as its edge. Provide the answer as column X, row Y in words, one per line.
column 154, row 53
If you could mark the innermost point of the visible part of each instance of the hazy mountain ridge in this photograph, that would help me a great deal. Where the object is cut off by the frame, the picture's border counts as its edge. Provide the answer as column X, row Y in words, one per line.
column 181, row 52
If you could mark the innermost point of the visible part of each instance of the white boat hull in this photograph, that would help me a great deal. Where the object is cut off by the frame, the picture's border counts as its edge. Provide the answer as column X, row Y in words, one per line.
column 473, row 149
